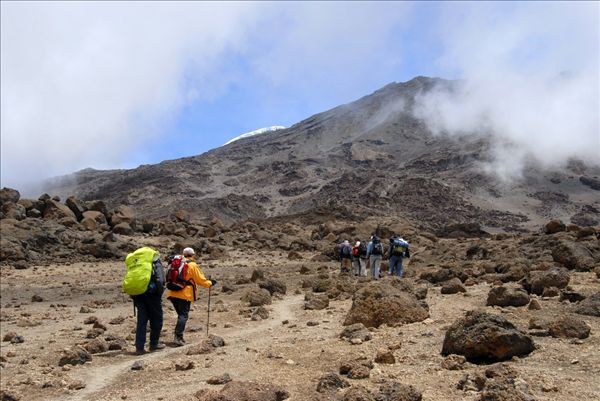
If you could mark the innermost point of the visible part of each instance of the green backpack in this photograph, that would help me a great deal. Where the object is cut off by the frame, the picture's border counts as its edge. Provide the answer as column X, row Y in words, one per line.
column 139, row 271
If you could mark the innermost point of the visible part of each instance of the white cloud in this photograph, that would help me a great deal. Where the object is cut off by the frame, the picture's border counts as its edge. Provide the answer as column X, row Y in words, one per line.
column 531, row 79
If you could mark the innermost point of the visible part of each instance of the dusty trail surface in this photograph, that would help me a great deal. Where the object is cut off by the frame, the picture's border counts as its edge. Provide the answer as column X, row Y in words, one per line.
column 281, row 349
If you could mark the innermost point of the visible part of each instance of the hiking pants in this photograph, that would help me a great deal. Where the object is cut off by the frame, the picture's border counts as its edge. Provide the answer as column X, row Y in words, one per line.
column 346, row 265
column 357, row 266
column 375, row 261
column 395, row 265
column 149, row 308
column 182, row 307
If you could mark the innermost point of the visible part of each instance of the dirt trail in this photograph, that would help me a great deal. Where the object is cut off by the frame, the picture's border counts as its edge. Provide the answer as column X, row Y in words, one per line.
column 99, row 377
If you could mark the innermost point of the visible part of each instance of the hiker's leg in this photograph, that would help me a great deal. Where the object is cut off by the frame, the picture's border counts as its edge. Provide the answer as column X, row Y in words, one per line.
column 155, row 313
column 142, row 322
column 182, row 317
column 376, row 267
column 399, row 266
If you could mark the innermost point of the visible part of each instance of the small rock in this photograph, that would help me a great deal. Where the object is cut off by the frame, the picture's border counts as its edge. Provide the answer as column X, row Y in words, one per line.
column 184, row 365
column 331, row 382
column 37, row 298
column 385, row 356
column 221, row 379
column 90, row 320
column 76, row 385
column 312, row 323
column 17, row 340
column 534, row 304
column 137, row 365
column 454, row 362
column 9, row 336
column 85, row 309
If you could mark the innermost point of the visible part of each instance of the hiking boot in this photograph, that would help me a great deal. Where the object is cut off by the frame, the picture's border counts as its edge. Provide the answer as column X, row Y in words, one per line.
column 157, row 347
column 140, row 352
column 179, row 342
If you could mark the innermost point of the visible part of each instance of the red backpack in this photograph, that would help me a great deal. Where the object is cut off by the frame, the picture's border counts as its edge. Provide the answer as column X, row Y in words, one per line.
column 176, row 272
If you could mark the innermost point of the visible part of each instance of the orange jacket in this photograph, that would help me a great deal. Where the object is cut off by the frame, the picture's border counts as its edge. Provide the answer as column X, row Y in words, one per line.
column 195, row 275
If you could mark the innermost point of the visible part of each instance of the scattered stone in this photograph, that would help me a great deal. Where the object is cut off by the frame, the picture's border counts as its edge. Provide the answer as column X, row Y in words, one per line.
column 205, row 347
column 471, row 382
column 75, row 356
column 137, row 365
column 554, row 226
column 273, row 286
column 216, row 341
column 483, row 337
column 85, row 309
column 506, row 296
column 358, row 393
column 589, row 306
column 257, row 275
column 259, row 312
column 313, row 301
column 221, row 379
column 90, row 320
column 312, row 323
column 257, row 297
column 76, row 385
column 550, row 292
column 17, row 339
column 453, row 286
column 569, row 327
column 534, row 304
column 247, row 391
column 331, row 382
column 385, row 356
column 184, row 365
column 571, row 296
column 394, row 391
column 96, row 346
column 454, row 362
column 37, row 298
column 540, row 279
column 6, row 395
column 357, row 369
column 356, row 331
column 117, row 320
column 9, row 336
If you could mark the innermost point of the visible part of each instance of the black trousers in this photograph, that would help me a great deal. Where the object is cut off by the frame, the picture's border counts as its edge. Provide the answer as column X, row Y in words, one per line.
column 149, row 308
column 182, row 307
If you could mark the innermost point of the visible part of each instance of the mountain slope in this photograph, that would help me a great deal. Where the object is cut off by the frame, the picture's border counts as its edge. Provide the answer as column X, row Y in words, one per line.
column 368, row 157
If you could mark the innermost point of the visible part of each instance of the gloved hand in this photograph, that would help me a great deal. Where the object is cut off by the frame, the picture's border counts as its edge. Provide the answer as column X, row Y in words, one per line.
column 213, row 282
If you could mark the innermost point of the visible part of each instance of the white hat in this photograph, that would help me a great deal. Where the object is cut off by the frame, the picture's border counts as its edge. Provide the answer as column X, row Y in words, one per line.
column 188, row 251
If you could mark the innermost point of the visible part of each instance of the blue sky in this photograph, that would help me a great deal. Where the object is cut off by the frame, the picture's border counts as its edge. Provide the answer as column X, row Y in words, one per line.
column 118, row 84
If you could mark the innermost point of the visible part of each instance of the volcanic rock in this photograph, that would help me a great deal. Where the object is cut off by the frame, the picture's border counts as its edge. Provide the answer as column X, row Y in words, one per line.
column 56, row 211
column 257, row 297
column 589, row 306
column 356, row 331
column 316, row 301
column 554, row 226
column 221, row 379
column 75, row 356
column 9, row 195
column 453, row 286
column 484, row 337
column 247, row 391
column 507, row 296
column 379, row 303
column 331, row 382
column 540, row 279
column 273, row 286
column 394, row 391
column 569, row 327
column 96, row 346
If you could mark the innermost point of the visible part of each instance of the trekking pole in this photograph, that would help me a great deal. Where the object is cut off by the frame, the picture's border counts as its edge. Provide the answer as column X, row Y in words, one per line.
column 208, row 310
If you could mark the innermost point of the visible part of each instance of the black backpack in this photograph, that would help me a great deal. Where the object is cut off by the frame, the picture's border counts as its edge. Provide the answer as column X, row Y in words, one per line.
column 377, row 248
column 362, row 249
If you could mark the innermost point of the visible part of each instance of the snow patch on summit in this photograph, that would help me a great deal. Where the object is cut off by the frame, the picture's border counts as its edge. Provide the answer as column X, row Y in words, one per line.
column 256, row 132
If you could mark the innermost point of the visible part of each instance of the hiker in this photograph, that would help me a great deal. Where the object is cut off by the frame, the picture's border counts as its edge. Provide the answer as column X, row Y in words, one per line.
column 359, row 251
column 398, row 250
column 345, row 255
column 374, row 254
column 187, row 277
column 145, row 282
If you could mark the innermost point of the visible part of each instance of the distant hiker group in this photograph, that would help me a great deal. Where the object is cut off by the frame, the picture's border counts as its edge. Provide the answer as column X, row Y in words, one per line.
column 355, row 258
column 145, row 281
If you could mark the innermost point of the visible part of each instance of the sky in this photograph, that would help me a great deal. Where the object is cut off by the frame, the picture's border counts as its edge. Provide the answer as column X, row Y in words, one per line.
column 118, row 84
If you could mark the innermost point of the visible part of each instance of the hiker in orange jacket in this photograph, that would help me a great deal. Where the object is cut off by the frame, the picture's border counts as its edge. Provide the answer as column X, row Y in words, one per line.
column 183, row 299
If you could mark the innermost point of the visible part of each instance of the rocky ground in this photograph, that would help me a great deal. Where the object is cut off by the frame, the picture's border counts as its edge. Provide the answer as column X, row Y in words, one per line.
column 259, row 311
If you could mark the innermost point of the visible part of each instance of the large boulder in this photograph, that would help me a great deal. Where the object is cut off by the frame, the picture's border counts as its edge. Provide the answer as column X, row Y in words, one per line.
column 453, row 286
column 541, row 279
column 507, row 296
column 394, row 391
column 56, row 211
column 484, row 337
column 247, row 391
column 314, row 301
column 76, row 206
column 257, row 297
column 9, row 195
column 554, row 226
column 589, row 306
column 122, row 214
column 75, row 356
column 379, row 302
column 123, row 229
column 14, row 211
column 273, row 286
column 569, row 327
column 574, row 255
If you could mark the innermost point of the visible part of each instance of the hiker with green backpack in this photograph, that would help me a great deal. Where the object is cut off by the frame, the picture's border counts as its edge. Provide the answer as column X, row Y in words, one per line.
column 145, row 282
